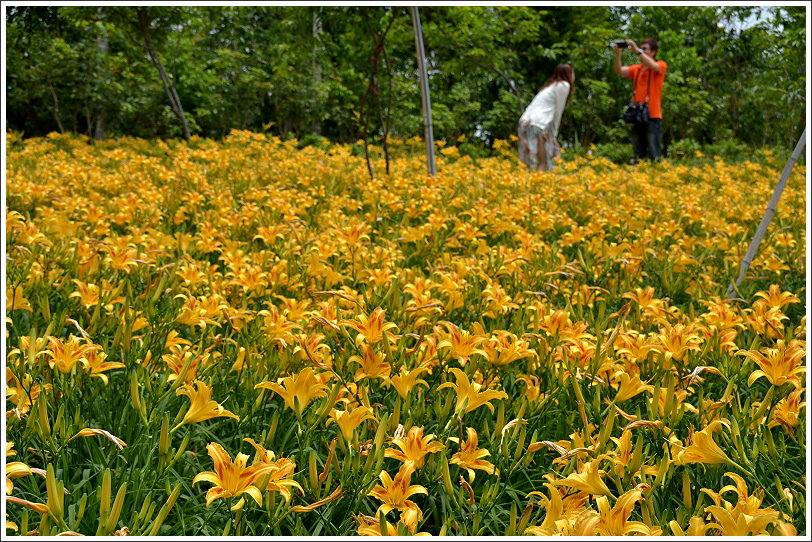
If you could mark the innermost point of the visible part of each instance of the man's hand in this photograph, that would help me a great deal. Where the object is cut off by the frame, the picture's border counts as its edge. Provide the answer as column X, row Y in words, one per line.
column 633, row 46
column 621, row 70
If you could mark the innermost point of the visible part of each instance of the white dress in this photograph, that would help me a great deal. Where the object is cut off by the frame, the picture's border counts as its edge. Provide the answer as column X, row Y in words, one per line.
column 545, row 111
column 541, row 119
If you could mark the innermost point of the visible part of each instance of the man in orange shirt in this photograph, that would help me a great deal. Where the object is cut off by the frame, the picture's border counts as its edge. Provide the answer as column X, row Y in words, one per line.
column 648, row 79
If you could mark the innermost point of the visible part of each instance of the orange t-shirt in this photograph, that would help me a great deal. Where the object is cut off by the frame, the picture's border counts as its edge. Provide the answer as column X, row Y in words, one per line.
column 656, row 91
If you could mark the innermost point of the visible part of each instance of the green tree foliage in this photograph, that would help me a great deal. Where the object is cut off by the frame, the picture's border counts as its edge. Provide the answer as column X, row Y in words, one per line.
column 342, row 72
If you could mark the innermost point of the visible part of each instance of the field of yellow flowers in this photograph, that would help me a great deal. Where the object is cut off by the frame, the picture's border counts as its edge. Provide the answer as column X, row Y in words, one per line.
column 244, row 337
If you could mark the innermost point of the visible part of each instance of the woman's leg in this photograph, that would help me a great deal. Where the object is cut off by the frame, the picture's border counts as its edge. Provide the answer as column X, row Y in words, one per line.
column 542, row 153
column 527, row 152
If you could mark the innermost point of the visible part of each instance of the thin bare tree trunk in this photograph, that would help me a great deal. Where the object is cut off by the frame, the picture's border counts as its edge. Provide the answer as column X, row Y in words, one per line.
column 373, row 92
column 386, row 120
column 174, row 100
column 56, row 109
column 768, row 214
column 424, row 89
column 315, row 126
column 100, row 128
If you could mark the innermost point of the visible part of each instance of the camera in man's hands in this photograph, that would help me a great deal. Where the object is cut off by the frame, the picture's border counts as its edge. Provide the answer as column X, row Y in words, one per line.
column 621, row 44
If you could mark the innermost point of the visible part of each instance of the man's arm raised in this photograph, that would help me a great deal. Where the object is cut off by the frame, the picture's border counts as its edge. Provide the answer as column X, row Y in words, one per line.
column 645, row 60
column 621, row 70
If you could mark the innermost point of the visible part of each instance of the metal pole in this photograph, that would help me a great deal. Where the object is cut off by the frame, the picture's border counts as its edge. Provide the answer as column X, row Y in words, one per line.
column 768, row 214
column 424, row 88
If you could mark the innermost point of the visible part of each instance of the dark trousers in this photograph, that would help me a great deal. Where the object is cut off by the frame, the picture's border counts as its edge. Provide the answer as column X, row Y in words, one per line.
column 647, row 139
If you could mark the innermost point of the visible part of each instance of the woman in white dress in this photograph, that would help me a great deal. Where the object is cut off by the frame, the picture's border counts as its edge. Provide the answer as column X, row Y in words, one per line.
column 538, row 125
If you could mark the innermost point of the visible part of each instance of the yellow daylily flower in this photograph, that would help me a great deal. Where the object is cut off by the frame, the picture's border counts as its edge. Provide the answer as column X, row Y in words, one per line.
column 349, row 420
column 17, row 469
column 373, row 364
column 65, row 354
column 16, row 300
column 404, row 381
column 281, row 479
column 414, row 448
column 677, row 340
column 232, row 478
column 461, row 343
column 703, row 449
column 630, row 387
column 745, row 517
column 696, row 527
column 35, row 506
column 588, row 479
column 371, row 329
column 87, row 293
column 202, row 406
column 469, row 396
column 787, row 411
column 564, row 516
column 780, row 365
column 615, row 521
column 395, row 494
column 775, row 298
column 369, row 526
column 554, row 507
column 22, row 394
column 470, row 457
column 505, row 347
column 97, row 365
column 88, row 432
column 298, row 390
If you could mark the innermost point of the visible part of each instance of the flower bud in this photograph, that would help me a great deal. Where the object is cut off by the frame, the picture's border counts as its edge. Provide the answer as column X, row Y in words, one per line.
column 469, row 491
column 82, row 507
column 383, row 523
column 606, row 430
column 163, row 441
column 146, row 508
column 165, row 509
column 56, row 495
column 520, row 445
column 135, row 395
column 449, row 488
column 239, row 364
column 511, row 527
column 182, row 448
column 312, row 471
column 662, row 469
column 115, row 512
column 525, row 519
column 686, row 489
column 104, row 495
column 272, row 429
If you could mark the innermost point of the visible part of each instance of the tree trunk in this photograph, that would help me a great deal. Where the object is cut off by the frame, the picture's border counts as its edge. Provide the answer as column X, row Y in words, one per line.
column 102, row 45
column 768, row 215
column 174, row 100
column 315, row 126
column 424, row 90
column 56, row 109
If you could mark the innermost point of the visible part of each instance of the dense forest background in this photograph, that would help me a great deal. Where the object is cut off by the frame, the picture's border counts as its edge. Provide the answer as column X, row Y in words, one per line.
column 346, row 73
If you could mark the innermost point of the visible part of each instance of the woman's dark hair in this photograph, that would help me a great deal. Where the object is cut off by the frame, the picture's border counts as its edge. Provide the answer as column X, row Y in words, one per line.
column 562, row 72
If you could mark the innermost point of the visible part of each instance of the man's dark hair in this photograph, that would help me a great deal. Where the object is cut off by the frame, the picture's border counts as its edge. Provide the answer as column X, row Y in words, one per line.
column 652, row 43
